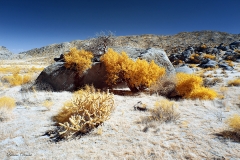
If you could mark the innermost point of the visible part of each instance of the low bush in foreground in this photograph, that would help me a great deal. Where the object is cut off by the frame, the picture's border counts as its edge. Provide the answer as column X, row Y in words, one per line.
column 7, row 102
column 234, row 123
column 190, row 86
column 6, row 106
column 165, row 111
column 87, row 110
column 235, row 82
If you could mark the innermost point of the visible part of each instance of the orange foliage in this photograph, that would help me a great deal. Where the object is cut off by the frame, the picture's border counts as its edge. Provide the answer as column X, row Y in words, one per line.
column 190, row 86
column 137, row 74
column 78, row 59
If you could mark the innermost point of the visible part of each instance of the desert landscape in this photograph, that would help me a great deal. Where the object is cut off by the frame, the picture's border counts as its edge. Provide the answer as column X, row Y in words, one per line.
column 154, row 121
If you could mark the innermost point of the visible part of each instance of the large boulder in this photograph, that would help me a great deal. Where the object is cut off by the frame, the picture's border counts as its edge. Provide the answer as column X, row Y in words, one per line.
column 160, row 58
column 184, row 69
column 57, row 77
column 235, row 45
column 208, row 63
column 158, row 55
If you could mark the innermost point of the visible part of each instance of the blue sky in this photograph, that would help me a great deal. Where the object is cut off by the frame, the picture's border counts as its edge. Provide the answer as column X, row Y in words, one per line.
column 28, row 24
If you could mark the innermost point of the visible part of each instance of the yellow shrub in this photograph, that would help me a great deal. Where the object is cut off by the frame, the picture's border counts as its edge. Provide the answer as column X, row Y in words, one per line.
column 17, row 79
column 137, row 74
column 7, row 102
column 234, row 123
column 235, row 82
column 14, row 69
column 190, row 86
column 86, row 111
column 213, row 57
column 34, row 69
column 78, row 59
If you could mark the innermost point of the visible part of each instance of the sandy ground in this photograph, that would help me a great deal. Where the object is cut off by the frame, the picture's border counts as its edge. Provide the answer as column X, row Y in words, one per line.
column 124, row 135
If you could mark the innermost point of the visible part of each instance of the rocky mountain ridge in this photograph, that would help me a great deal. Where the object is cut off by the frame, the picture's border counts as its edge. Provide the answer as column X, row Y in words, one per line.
column 171, row 44
column 5, row 53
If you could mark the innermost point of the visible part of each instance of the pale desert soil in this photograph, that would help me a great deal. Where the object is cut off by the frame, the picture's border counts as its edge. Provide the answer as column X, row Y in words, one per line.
column 124, row 135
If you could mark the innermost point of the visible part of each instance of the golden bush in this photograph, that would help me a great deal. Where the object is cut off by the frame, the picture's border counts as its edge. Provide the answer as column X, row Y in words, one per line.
column 7, row 102
column 86, row 111
column 137, row 74
column 78, row 59
column 213, row 57
column 235, row 82
column 190, row 86
column 234, row 123
column 17, row 79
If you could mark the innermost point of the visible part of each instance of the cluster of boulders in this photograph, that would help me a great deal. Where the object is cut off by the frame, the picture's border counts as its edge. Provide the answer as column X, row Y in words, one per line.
column 201, row 55
column 57, row 77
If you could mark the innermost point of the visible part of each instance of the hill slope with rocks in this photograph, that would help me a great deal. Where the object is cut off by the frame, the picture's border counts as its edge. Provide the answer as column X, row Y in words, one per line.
column 171, row 44
column 5, row 53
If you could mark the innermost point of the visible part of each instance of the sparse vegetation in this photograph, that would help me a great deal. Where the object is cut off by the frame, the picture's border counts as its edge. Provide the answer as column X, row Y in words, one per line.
column 87, row 110
column 138, row 74
column 100, row 44
column 211, row 82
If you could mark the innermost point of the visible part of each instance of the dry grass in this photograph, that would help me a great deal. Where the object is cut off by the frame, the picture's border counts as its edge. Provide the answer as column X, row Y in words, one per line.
column 164, row 86
column 165, row 111
column 17, row 79
column 6, row 106
column 211, row 82
column 7, row 102
column 234, row 123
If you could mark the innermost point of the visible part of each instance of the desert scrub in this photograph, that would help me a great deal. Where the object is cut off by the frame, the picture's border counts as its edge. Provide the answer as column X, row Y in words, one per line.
column 16, row 79
column 234, row 123
column 79, row 60
column 164, row 86
column 212, row 57
column 13, row 70
column 190, row 86
column 138, row 74
column 165, row 111
column 7, row 102
column 235, row 82
column 87, row 110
